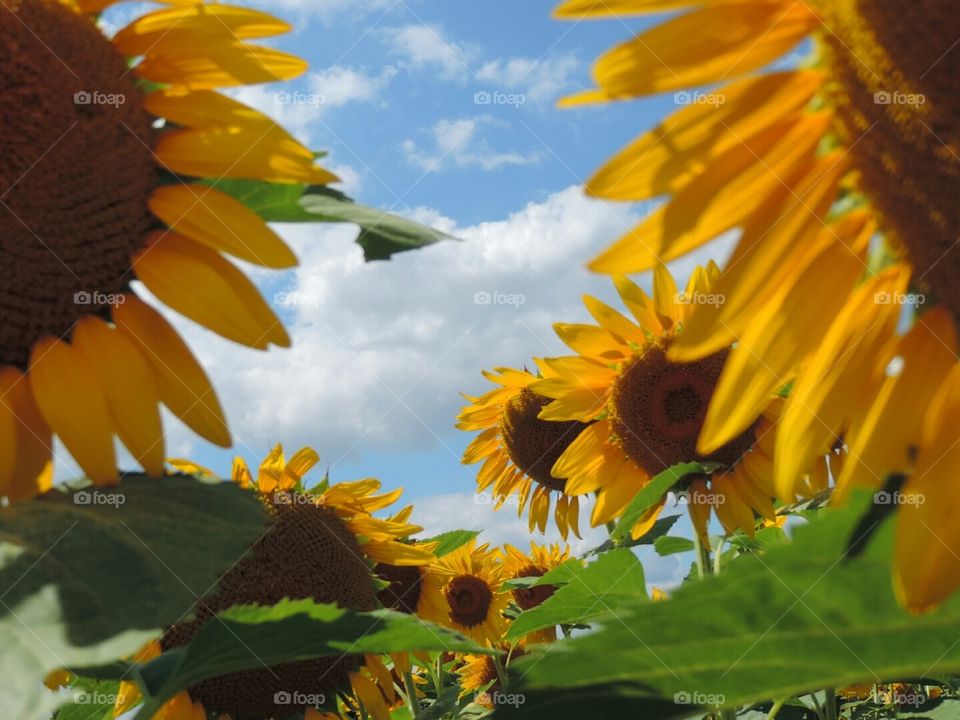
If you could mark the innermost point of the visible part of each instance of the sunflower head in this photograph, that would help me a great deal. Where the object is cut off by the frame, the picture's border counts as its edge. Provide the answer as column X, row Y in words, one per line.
column 541, row 560
column 463, row 592
column 519, row 449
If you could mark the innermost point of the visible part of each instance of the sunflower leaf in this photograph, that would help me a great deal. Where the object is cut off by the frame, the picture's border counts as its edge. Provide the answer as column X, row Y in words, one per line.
column 249, row 637
column 382, row 234
column 601, row 589
column 652, row 493
column 449, row 541
column 800, row 616
column 88, row 575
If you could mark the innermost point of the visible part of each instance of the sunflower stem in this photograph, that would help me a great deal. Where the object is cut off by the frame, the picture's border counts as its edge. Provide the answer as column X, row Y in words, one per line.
column 412, row 702
column 501, row 672
column 438, row 678
column 830, row 704
column 704, row 563
column 718, row 557
column 775, row 709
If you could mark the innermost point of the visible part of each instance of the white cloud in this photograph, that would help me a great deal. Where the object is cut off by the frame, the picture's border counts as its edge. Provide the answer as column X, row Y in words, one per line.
column 325, row 10
column 340, row 85
column 425, row 46
column 540, row 81
column 458, row 143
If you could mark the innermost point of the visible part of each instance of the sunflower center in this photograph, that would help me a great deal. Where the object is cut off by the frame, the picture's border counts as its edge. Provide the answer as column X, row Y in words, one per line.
column 75, row 172
column 534, row 445
column 308, row 552
column 469, row 599
column 403, row 592
column 657, row 409
column 897, row 94
column 531, row 597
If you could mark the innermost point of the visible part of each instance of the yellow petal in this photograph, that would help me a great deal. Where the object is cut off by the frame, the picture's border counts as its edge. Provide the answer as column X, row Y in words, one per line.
column 219, row 63
column 613, row 321
column 72, row 403
column 590, row 340
column 199, row 283
column 127, row 380
column 665, row 296
column 721, row 198
column 28, row 465
column 220, row 222
column 619, row 8
column 299, row 465
column 181, row 381
column 701, row 47
column 639, row 304
column 195, row 24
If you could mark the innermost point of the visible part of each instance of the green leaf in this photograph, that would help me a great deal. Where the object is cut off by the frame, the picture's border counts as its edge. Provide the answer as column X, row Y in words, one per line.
column 93, row 700
column 90, row 574
column 611, row 582
column 660, row 528
column 652, row 493
column 798, row 617
column 382, row 234
column 450, row 541
column 672, row 545
column 249, row 637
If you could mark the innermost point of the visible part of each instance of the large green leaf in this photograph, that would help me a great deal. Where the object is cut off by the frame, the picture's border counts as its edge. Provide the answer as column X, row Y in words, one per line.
column 449, row 541
column 601, row 589
column 251, row 637
column 382, row 234
column 794, row 618
column 88, row 575
column 652, row 493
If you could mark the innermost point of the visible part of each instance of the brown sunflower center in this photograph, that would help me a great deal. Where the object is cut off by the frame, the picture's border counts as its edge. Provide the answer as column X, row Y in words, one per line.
column 308, row 552
column 403, row 592
column 75, row 172
column 657, row 409
column 469, row 599
column 531, row 597
column 534, row 445
column 897, row 94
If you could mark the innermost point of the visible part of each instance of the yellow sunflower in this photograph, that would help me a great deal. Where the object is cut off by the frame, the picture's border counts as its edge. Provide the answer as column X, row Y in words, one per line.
column 463, row 591
column 647, row 410
column 809, row 164
column 321, row 544
column 541, row 560
column 109, row 149
column 518, row 450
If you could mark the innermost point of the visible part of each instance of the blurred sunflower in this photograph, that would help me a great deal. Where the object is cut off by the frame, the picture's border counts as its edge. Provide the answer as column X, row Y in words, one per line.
column 518, row 449
column 810, row 164
column 648, row 410
column 541, row 560
column 81, row 356
column 320, row 544
column 462, row 590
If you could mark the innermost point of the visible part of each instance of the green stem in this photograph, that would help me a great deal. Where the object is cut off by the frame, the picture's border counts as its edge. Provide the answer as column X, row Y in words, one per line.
column 831, row 703
column 501, row 672
column 718, row 557
column 775, row 708
column 438, row 678
column 412, row 702
column 704, row 563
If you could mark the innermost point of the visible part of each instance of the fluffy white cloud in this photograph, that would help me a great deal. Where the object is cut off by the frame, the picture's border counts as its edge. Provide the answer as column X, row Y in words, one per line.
column 458, row 143
column 426, row 46
column 338, row 85
column 539, row 80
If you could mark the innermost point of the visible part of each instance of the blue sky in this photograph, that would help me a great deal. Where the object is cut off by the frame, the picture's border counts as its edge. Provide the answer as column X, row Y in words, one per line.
column 443, row 111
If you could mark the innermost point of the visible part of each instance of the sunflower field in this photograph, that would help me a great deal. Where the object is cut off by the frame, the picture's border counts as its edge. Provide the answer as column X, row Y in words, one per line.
column 781, row 419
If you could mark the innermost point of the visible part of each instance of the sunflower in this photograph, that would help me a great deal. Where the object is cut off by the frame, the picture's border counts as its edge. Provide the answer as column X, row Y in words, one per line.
column 541, row 560
column 111, row 151
column 321, row 544
column 647, row 410
column 518, row 449
column 810, row 164
column 463, row 591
